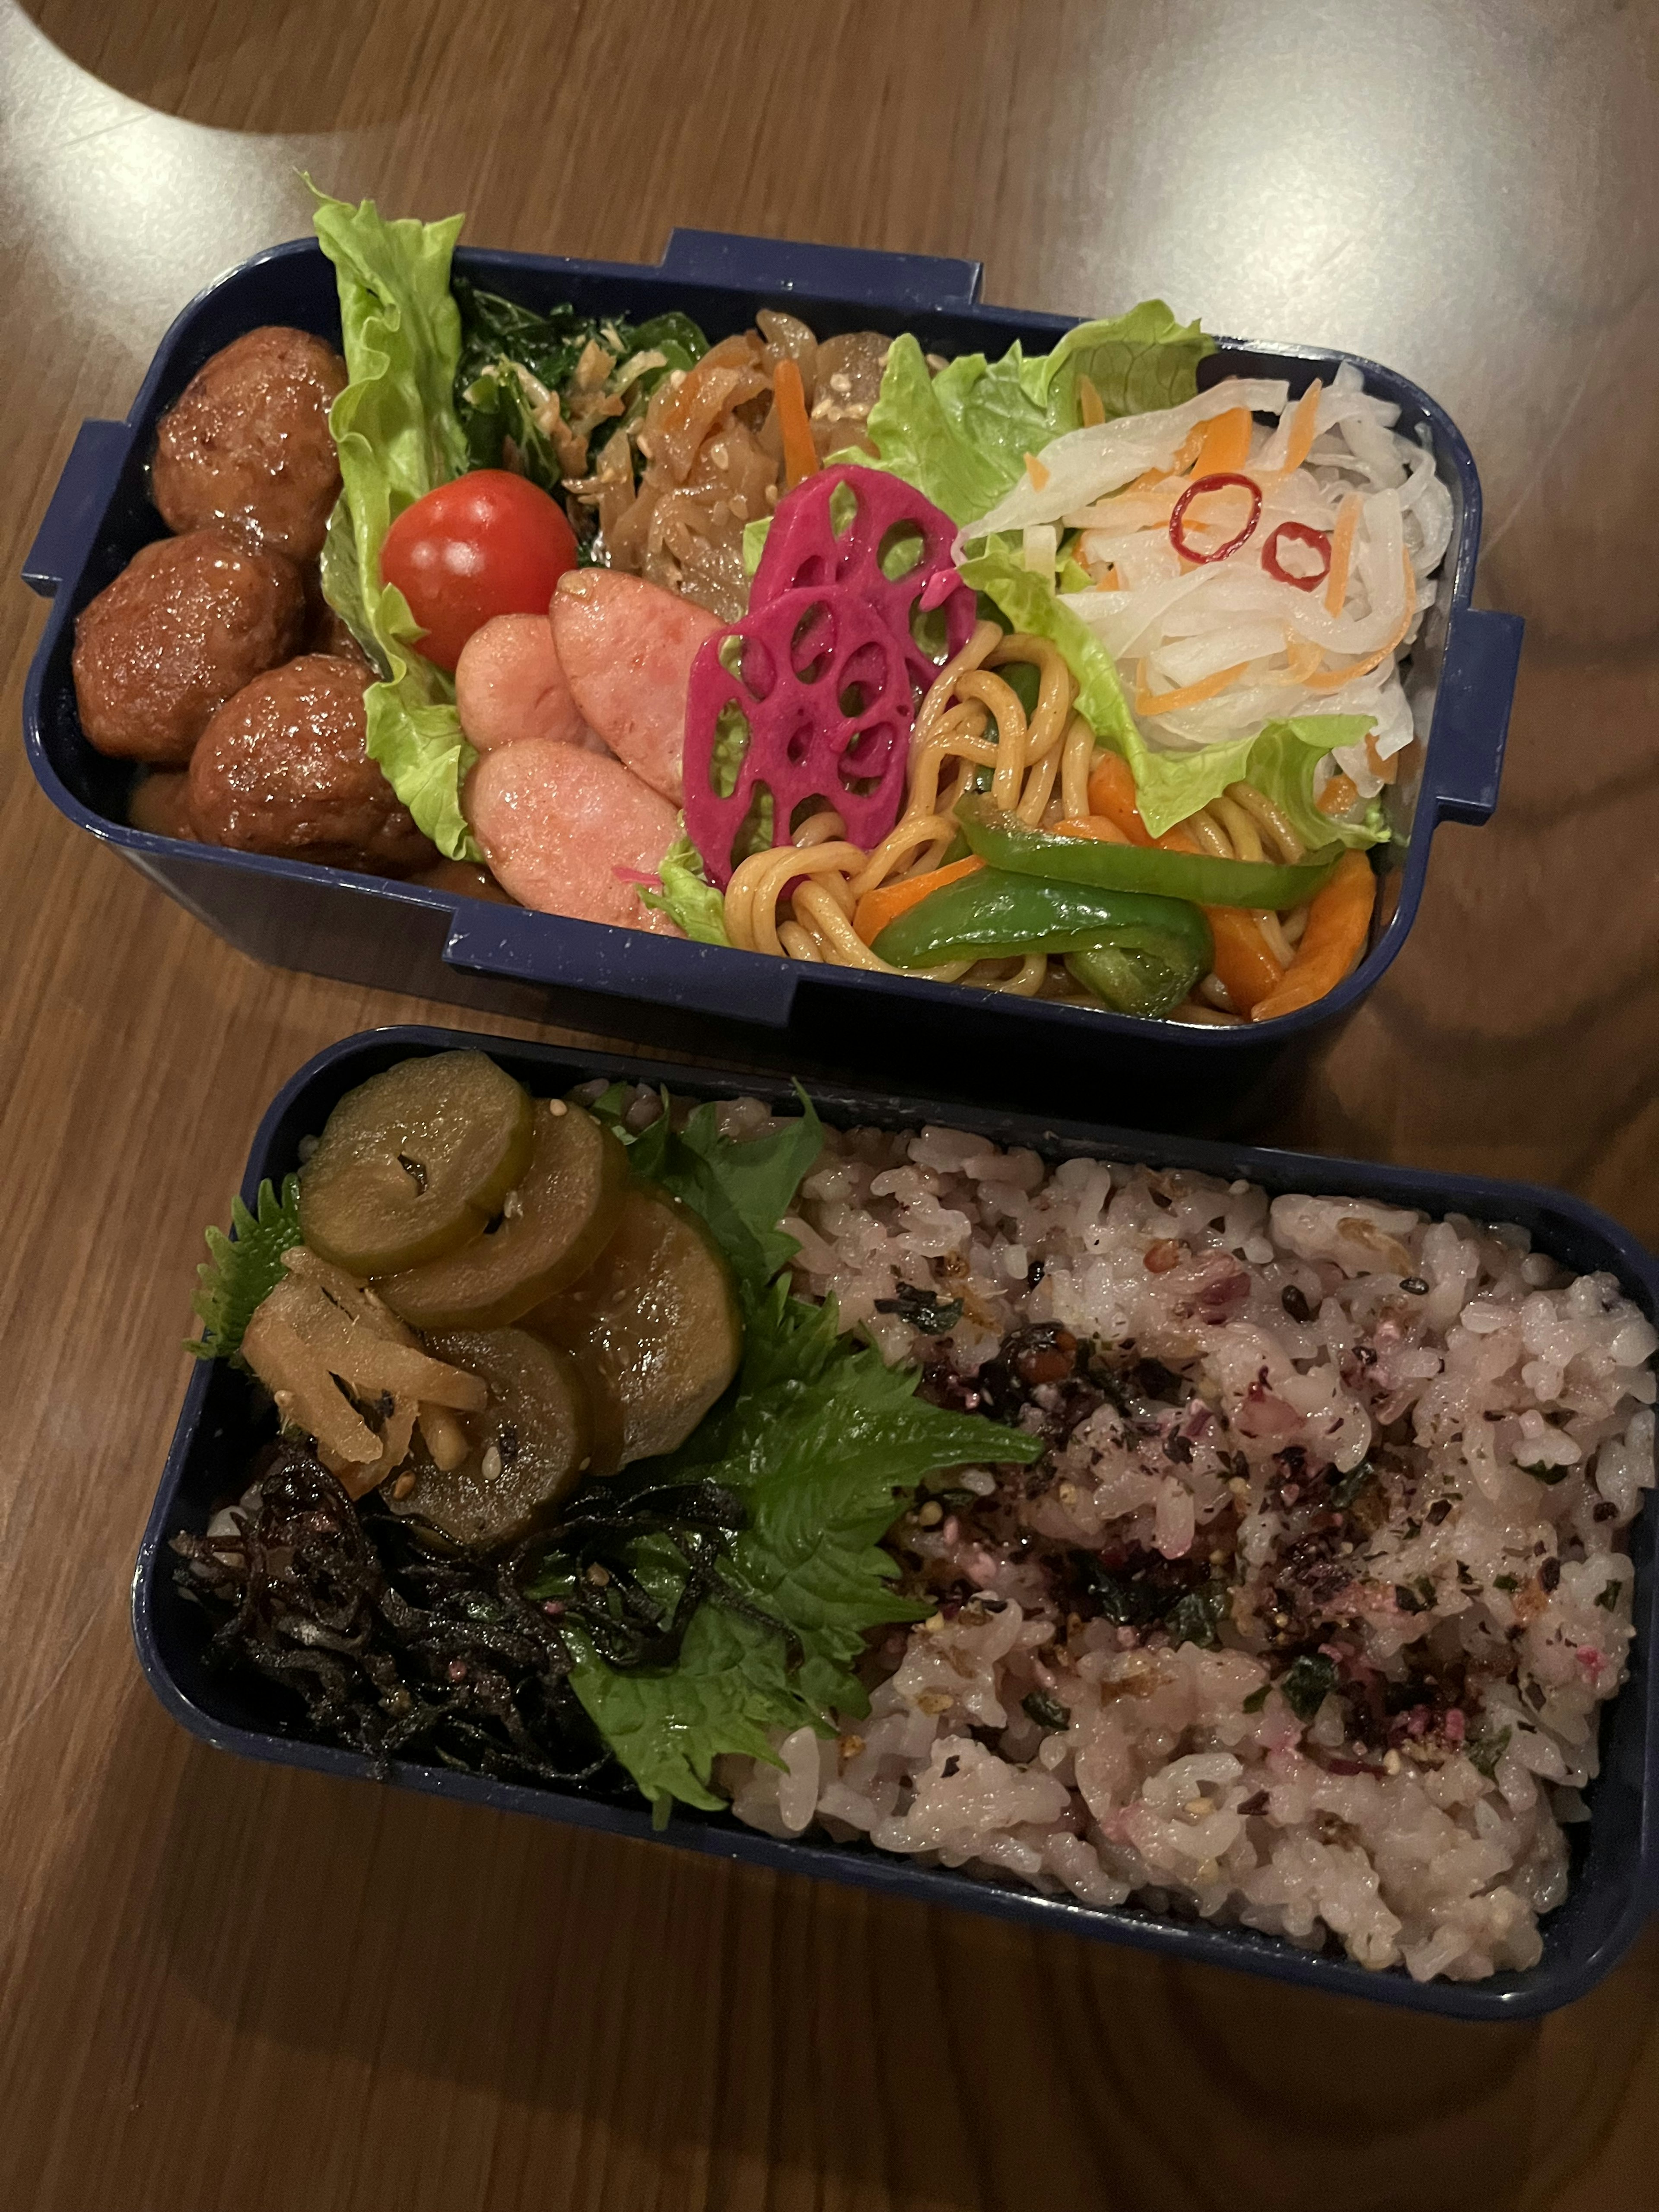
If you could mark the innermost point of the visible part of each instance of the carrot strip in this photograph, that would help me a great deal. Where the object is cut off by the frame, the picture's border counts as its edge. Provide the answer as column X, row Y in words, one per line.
column 1242, row 959
column 1224, row 444
column 1304, row 658
column 1112, row 794
column 1332, row 680
column 1384, row 770
column 1339, row 794
column 1091, row 405
column 1348, row 522
column 1304, row 424
column 800, row 455
column 884, row 904
column 1100, row 829
column 1189, row 695
column 1331, row 943
column 1037, row 473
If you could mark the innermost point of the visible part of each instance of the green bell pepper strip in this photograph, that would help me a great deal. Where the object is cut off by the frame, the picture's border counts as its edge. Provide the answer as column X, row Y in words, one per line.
column 1143, row 954
column 1003, row 842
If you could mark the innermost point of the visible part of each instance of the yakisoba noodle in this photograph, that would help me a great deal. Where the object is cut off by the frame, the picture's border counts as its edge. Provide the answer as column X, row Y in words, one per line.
column 798, row 899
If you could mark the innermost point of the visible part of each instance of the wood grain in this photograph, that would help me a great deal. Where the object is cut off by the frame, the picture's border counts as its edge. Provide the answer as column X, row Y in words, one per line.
column 225, row 1986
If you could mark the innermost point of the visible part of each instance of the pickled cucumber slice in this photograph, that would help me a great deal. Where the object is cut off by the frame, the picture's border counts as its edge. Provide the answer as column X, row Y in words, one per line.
column 414, row 1162
column 526, row 1450
column 654, row 1326
column 556, row 1224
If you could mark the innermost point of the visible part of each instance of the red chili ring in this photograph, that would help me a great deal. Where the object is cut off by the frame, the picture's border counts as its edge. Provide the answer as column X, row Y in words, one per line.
column 1214, row 484
column 1305, row 534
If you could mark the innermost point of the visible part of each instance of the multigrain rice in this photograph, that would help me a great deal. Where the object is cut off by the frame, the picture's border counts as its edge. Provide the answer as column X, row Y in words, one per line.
column 1305, row 1619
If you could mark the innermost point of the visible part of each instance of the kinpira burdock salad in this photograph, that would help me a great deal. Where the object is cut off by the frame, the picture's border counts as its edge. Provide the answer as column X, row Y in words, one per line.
column 1119, row 1533
column 1050, row 675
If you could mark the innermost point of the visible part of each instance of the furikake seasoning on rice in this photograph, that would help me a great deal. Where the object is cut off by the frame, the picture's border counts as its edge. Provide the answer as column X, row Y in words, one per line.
column 1126, row 1535
column 1305, row 1617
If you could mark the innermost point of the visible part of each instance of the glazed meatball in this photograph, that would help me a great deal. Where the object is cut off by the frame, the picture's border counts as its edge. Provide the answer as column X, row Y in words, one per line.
column 246, row 443
column 187, row 622
column 281, row 768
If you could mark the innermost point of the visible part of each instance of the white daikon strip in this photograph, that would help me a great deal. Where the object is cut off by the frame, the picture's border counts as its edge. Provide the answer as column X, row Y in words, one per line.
column 1084, row 465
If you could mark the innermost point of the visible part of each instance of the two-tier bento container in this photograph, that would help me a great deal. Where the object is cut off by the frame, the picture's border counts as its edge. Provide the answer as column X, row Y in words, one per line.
column 1615, row 1858
column 628, row 983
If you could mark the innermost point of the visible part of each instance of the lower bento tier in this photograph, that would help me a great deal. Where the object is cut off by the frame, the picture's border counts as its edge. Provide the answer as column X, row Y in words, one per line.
column 1120, row 1534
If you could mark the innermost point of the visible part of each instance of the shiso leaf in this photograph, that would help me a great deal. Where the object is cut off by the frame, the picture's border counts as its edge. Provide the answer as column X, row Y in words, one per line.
column 1306, row 1684
column 242, row 1269
column 741, row 1186
column 823, row 1441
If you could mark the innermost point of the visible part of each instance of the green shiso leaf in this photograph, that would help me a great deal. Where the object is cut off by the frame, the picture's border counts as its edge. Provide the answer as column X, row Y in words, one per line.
column 243, row 1268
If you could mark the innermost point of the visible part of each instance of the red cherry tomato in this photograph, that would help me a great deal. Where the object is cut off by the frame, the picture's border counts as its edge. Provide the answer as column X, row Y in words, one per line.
column 489, row 544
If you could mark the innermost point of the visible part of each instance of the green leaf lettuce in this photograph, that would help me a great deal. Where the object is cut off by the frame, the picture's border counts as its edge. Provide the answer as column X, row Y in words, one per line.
column 687, row 896
column 398, row 436
column 962, row 437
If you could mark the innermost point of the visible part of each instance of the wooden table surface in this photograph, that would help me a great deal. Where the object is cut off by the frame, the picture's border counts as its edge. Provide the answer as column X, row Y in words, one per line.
column 229, row 1986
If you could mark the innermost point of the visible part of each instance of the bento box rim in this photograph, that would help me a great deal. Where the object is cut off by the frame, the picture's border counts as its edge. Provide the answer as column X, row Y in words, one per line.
column 1512, row 1996
column 1054, row 1020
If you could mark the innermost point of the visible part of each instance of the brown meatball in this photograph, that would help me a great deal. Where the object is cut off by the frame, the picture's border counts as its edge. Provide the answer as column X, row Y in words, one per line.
column 247, row 444
column 281, row 768
column 187, row 622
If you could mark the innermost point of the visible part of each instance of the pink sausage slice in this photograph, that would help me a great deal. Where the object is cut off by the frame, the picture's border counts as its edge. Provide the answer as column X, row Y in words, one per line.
column 627, row 648
column 510, row 686
column 555, row 823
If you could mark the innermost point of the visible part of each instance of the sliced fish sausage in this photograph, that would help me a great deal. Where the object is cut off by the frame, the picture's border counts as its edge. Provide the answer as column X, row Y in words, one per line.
column 627, row 648
column 557, row 823
column 510, row 686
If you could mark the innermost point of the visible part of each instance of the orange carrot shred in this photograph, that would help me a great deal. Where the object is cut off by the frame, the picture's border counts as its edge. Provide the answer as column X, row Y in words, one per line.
column 1243, row 959
column 1304, row 424
column 1348, row 522
column 1112, row 794
column 1332, row 680
column 800, row 455
column 1189, row 695
column 1333, row 939
column 1091, row 405
column 1383, row 769
column 1037, row 473
column 1339, row 795
column 877, row 908
column 1224, row 444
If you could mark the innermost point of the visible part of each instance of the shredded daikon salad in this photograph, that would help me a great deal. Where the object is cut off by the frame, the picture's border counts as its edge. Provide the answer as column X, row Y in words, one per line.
column 1212, row 651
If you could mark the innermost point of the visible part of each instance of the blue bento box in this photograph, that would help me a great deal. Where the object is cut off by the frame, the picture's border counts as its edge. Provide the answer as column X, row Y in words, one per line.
column 1616, row 1857
column 648, row 988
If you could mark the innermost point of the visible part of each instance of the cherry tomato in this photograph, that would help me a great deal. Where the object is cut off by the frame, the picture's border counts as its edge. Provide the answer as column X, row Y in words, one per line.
column 489, row 544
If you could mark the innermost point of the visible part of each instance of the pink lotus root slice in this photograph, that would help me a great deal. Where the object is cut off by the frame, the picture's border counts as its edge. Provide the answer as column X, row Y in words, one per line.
column 803, row 551
column 823, row 688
